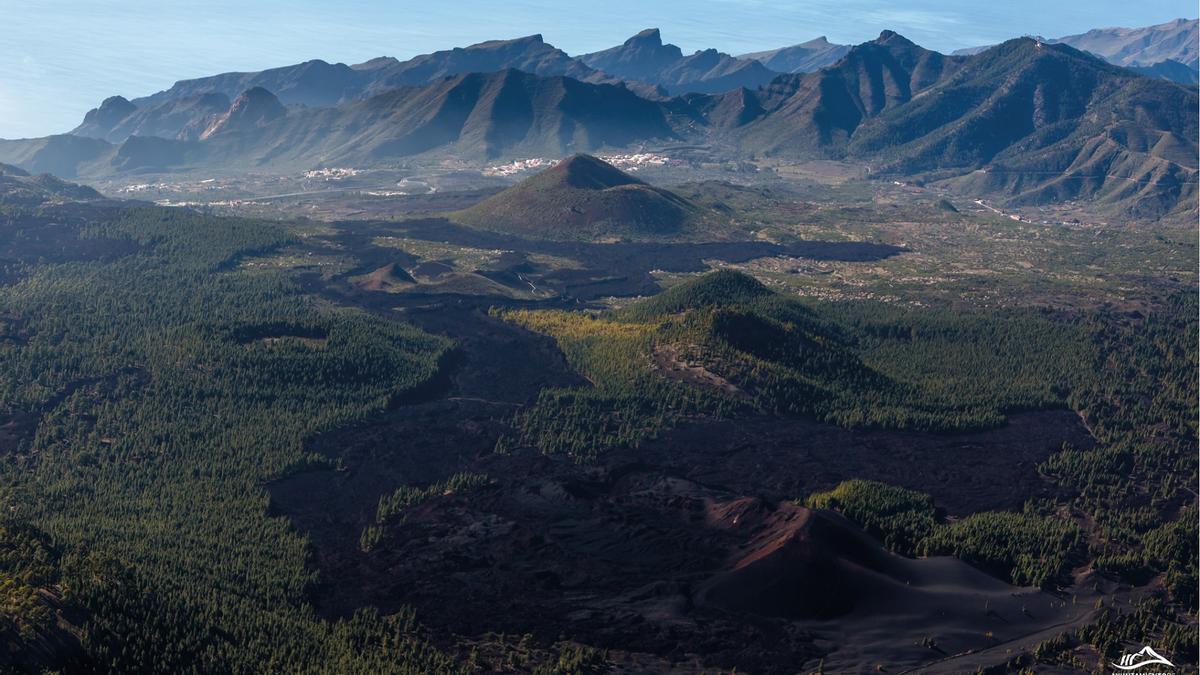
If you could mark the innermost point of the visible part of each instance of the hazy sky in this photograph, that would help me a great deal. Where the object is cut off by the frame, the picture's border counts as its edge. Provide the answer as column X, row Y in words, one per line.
column 58, row 58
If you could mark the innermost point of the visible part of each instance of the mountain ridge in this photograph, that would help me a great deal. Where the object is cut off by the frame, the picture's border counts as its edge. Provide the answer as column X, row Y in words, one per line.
column 1168, row 50
column 1059, row 123
column 646, row 58
column 1026, row 121
column 804, row 57
column 317, row 83
column 475, row 115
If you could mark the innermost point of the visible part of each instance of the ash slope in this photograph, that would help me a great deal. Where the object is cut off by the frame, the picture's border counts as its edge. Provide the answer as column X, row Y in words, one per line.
column 583, row 197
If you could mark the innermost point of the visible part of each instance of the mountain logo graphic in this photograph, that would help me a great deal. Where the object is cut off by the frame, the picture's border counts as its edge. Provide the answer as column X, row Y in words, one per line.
column 1145, row 657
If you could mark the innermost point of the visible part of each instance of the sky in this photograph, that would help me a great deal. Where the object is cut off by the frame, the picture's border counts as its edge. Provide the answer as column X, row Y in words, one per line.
column 59, row 58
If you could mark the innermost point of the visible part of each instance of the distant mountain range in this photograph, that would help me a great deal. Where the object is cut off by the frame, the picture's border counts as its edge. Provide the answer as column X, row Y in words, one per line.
column 802, row 58
column 1169, row 50
column 1173, row 41
column 1035, row 122
column 643, row 63
column 320, row 84
column 1028, row 121
column 644, row 58
column 475, row 115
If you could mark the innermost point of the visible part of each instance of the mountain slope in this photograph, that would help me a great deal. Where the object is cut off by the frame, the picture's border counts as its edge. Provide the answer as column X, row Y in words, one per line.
column 805, row 57
column 817, row 113
column 1170, row 70
column 723, row 288
column 18, row 187
column 1170, row 51
column 253, row 109
column 1038, row 122
column 184, row 111
column 1047, row 123
column 62, row 155
column 186, row 118
column 508, row 113
column 529, row 54
column 641, row 57
column 1025, row 121
column 99, row 122
column 476, row 116
column 1175, row 41
column 312, row 83
column 645, row 58
column 582, row 197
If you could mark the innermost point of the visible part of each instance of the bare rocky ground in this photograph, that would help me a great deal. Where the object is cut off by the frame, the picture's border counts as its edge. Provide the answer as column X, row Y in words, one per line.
column 643, row 554
column 683, row 554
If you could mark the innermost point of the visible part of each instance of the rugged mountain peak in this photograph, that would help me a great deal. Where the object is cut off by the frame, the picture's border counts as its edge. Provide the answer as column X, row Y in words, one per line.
column 645, row 58
column 890, row 46
column 98, row 121
column 253, row 108
column 649, row 36
column 116, row 104
column 899, row 57
column 256, row 104
column 649, row 44
column 642, row 57
column 893, row 39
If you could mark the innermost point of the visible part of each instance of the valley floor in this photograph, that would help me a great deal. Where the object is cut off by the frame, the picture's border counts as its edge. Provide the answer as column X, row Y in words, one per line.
column 917, row 437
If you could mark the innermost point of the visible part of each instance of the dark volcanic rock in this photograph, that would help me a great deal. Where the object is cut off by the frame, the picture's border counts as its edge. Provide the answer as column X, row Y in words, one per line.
column 582, row 195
